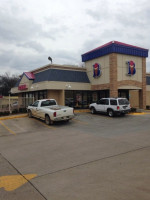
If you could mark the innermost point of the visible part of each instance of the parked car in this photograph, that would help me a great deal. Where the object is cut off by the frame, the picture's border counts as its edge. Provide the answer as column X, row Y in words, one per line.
column 111, row 106
column 48, row 110
column 14, row 105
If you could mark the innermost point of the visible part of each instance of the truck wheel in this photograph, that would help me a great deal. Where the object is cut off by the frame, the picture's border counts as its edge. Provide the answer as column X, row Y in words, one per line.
column 110, row 113
column 93, row 111
column 29, row 113
column 48, row 121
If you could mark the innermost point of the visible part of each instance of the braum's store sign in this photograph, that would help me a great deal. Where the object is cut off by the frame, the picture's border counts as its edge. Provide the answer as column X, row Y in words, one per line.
column 22, row 87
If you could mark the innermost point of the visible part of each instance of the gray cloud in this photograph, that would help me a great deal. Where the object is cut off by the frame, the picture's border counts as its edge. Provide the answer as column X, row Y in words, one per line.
column 33, row 45
column 28, row 61
column 13, row 29
column 91, row 44
column 55, row 31
column 101, row 11
column 28, row 36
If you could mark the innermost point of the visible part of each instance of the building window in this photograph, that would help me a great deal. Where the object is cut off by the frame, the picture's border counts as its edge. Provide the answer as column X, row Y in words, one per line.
column 82, row 99
column 29, row 97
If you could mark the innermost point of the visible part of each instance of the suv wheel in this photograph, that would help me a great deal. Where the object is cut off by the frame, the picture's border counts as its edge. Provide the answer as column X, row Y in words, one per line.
column 110, row 113
column 93, row 111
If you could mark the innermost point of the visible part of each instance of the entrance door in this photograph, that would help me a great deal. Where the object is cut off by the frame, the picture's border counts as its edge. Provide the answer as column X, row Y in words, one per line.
column 123, row 94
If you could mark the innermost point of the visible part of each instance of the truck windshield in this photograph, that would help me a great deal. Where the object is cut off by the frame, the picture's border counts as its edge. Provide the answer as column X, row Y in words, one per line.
column 48, row 103
column 123, row 102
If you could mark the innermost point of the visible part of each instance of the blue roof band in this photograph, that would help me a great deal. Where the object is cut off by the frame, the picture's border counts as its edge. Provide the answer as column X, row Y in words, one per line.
column 61, row 75
column 115, row 47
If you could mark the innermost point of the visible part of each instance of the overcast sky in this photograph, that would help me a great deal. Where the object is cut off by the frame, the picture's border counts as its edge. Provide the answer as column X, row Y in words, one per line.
column 33, row 30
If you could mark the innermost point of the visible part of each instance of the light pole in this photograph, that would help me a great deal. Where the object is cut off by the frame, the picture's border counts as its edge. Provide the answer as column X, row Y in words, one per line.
column 10, row 111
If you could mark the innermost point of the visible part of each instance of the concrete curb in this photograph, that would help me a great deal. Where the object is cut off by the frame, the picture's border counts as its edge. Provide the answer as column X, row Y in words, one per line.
column 79, row 111
column 13, row 116
column 76, row 111
column 25, row 115
column 142, row 113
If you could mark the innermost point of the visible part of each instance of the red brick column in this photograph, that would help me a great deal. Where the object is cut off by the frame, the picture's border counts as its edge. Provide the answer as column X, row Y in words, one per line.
column 113, row 75
column 142, row 93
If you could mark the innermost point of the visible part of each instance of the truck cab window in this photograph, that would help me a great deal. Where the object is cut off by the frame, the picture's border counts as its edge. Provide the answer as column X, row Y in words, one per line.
column 48, row 103
column 35, row 104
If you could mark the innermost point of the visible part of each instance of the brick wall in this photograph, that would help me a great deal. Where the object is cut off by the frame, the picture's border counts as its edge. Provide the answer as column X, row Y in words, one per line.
column 142, row 93
column 100, row 87
column 113, row 75
column 129, row 82
column 114, row 84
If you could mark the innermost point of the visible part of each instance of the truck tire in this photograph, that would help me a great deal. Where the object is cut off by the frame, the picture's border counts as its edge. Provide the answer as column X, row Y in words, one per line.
column 48, row 121
column 93, row 111
column 29, row 113
column 110, row 113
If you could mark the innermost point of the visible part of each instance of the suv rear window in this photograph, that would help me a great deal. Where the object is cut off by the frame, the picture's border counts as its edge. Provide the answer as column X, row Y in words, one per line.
column 113, row 102
column 123, row 102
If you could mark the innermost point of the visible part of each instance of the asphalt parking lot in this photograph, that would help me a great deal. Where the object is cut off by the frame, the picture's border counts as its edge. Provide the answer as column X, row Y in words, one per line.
column 91, row 157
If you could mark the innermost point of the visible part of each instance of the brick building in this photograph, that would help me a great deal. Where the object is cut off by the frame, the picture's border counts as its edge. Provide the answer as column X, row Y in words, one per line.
column 113, row 70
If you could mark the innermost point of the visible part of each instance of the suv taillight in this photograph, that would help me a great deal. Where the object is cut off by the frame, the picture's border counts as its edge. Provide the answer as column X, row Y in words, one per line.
column 118, row 108
column 54, row 114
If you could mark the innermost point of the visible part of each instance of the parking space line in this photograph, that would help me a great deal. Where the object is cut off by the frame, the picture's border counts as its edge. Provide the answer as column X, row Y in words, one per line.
column 12, row 182
column 6, row 127
column 48, row 126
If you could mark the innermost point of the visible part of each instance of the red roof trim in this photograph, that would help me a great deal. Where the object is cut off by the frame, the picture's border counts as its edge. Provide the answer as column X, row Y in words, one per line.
column 115, row 42
column 30, row 75
column 124, row 44
column 107, row 44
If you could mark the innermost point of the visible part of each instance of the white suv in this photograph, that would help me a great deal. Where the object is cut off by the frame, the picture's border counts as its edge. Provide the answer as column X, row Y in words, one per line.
column 111, row 106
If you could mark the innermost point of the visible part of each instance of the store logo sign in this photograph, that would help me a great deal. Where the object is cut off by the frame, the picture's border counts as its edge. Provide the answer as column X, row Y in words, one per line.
column 131, row 68
column 96, row 70
column 22, row 87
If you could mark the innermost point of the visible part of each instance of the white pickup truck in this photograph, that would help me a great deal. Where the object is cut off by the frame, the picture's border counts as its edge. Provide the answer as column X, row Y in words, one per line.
column 48, row 110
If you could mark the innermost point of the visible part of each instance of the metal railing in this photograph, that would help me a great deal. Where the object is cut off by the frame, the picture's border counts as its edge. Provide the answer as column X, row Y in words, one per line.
column 14, row 104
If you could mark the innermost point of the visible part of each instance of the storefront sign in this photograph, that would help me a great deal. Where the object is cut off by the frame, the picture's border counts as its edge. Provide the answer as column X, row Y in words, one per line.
column 131, row 68
column 22, row 87
column 96, row 70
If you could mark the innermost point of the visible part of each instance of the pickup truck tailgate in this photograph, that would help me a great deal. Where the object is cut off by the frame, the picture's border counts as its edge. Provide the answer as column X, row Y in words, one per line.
column 62, row 111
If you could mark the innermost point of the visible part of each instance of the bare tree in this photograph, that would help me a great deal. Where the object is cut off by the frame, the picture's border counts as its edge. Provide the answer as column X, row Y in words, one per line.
column 6, row 83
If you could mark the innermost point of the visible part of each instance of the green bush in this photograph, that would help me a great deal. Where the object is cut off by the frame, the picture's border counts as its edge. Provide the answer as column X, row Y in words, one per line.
column 22, row 110
column 133, row 109
column 15, row 111
column 4, row 113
